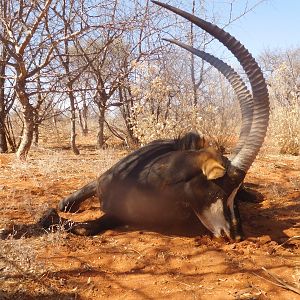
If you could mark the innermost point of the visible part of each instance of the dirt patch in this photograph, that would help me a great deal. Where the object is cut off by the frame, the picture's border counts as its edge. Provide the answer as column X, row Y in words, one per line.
column 183, row 262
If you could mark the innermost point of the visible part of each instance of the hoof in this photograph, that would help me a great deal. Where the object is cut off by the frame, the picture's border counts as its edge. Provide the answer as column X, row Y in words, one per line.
column 5, row 233
column 49, row 218
column 67, row 206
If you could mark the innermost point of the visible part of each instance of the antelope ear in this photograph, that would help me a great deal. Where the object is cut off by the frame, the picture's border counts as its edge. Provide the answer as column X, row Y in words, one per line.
column 213, row 169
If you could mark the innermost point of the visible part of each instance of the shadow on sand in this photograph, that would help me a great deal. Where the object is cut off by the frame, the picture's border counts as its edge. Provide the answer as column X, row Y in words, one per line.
column 257, row 221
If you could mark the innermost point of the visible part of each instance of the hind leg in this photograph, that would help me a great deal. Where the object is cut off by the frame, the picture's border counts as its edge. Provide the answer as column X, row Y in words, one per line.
column 51, row 219
column 94, row 227
column 71, row 203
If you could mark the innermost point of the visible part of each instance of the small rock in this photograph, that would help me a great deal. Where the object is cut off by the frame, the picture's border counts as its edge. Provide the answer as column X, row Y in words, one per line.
column 264, row 239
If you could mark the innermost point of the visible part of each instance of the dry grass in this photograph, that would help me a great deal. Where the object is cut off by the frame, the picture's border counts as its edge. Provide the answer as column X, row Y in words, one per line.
column 285, row 128
column 57, row 265
column 25, row 197
column 296, row 277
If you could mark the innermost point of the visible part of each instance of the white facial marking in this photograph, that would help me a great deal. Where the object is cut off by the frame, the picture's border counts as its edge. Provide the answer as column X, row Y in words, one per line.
column 214, row 220
column 230, row 204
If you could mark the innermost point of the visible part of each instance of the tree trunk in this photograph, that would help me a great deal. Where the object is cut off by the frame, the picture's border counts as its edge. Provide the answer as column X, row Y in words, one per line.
column 73, row 124
column 101, row 120
column 27, row 134
column 83, row 120
column 126, row 113
column 3, row 141
column 36, row 126
column 36, row 134
column 10, row 136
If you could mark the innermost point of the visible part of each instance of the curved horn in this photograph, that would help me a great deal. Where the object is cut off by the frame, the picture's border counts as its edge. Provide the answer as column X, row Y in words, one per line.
column 247, row 155
column 238, row 85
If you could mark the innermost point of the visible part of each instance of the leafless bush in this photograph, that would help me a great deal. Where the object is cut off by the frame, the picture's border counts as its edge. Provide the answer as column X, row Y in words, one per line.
column 285, row 128
column 164, row 112
column 284, row 82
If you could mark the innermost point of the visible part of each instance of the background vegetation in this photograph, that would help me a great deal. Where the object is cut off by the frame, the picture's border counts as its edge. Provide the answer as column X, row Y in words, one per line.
column 101, row 68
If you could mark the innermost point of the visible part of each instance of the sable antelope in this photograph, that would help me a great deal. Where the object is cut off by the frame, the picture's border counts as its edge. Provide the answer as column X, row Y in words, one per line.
column 164, row 181
column 190, row 141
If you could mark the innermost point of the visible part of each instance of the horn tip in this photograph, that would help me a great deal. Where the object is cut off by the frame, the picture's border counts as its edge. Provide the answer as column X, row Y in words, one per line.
column 160, row 3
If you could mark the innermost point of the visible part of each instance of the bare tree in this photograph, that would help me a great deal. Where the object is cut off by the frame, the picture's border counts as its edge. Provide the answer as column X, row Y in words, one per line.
column 75, row 55
column 112, row 54
column 30, row 44
column 20, row 28
column 63, row 52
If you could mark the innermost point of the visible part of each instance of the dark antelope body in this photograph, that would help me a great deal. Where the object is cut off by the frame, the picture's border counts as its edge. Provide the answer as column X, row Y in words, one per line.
column 170, row 179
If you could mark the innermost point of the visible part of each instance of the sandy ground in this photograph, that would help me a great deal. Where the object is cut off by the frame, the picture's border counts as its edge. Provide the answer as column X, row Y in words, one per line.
column 135, row 263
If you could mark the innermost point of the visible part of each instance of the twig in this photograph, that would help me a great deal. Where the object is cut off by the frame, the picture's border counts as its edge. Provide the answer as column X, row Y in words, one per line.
column 279, row 282
column 296, row 237
column 133, row 250
column 274, row 283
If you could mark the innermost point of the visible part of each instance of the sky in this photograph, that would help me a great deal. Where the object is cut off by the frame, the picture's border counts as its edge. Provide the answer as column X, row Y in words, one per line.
column 274, row 24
